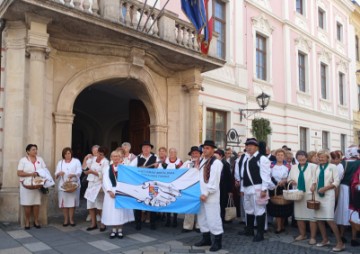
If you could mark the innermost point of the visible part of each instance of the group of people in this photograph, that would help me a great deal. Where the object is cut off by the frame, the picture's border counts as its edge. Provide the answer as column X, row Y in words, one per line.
column 252, row 179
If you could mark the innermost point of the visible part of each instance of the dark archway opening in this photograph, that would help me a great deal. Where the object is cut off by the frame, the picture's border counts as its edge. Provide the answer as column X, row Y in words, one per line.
column 109, row 113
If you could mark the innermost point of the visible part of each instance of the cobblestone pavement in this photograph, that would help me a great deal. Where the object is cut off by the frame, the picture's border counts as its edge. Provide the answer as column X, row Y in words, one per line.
column 55, row 238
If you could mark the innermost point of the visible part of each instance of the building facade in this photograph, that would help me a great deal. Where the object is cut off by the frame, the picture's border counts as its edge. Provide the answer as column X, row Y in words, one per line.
column 78, row 73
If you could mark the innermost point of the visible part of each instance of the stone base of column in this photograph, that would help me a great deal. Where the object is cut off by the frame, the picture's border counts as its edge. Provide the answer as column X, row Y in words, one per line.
column 10, row 205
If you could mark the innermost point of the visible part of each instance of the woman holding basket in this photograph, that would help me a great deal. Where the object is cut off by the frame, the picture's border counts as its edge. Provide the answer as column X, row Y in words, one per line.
column 30, row 199
column 68, row 171
column 326, row 179
column 301, row 175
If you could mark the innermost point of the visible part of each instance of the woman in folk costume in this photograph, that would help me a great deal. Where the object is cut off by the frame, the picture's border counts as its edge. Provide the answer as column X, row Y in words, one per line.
column 95, row 175
column 326, row 179
column 128, row 157
column 209, row 216
column 342, row 212
column 279, row 175
column 171, row 162
column 112, row 216
column 30, row 199
column 68, row 169
column 302, row 176
column 355, row 205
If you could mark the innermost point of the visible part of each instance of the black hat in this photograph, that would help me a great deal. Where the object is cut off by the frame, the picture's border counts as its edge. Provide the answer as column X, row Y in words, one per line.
column 251, row 141
column 194, row 149
column 209, row 143
column 220, row 152
column 146, row 143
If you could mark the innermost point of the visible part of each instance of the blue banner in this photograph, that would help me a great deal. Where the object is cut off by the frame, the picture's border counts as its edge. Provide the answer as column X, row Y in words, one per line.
column 158, row 190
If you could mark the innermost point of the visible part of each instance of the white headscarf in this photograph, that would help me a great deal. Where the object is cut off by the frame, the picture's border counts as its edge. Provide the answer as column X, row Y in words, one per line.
column 351, row 152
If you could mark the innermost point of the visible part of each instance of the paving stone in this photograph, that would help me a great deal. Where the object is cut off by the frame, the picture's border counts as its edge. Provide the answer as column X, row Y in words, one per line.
column 174, row 243
column 18, row 234
column 17, row 250
column 196, row 251
column 132, row 252
column 147, row 248
column 48, row 252
column 78, row 248
column 153, row 252
column 141, row 238
column 103, row 245
column 37, row 246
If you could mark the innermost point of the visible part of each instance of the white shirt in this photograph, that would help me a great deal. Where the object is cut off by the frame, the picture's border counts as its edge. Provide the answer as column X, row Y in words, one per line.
column 69, row 168
column 279, row 172
column 173, row 165
column 212, row 188
column 99, row 168
column 134, row 162
column 27, row 166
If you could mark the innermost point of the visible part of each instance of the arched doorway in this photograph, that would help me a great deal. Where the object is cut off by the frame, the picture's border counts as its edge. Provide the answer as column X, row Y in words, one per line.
column 108, row 113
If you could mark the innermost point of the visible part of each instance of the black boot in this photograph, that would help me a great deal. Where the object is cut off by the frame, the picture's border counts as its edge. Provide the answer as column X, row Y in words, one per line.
column 174, row 221
column 249, row 229
column 260, row 221
column 217, row 243
column 205, row 241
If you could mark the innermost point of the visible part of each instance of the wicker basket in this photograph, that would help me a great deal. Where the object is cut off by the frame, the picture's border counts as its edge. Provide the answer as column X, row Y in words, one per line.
column 294, row 195
column 313, row 204
column 354, row 225
column 279, row 199
column 69, row 186
column 33, row 183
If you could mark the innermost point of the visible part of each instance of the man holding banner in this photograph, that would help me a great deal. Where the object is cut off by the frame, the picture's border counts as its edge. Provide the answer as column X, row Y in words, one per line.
column 146, row 160
column 209, row 216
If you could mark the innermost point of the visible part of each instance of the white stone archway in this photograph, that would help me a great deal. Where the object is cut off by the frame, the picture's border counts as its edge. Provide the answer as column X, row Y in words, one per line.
column 150, row 96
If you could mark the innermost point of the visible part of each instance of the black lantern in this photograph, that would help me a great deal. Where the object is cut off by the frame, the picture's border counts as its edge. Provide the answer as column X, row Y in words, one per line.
column 262, row 100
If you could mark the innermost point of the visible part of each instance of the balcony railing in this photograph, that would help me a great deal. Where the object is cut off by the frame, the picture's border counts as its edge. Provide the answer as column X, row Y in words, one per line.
column 141, row 17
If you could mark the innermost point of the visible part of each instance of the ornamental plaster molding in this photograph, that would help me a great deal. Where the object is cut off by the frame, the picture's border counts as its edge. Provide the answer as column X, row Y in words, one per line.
column 262, row 25
column 325, row 56
column 303, row 44
column 321, row 4
column 304, row 99
column 343, row 111
column 325, row 106
column 342, row 66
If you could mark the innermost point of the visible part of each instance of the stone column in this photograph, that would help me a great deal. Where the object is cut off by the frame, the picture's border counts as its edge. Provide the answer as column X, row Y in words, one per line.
column 63, row 130
column 14, row 118
column 192, row 81
column 158, row 135
column 37, row 49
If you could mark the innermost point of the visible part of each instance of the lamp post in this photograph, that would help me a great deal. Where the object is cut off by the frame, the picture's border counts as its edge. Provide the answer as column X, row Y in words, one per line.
column 262, row 100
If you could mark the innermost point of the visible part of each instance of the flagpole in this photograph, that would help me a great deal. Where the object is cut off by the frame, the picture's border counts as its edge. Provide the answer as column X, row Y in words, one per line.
column 148, row 17
column 160, row 13
column 141, row 15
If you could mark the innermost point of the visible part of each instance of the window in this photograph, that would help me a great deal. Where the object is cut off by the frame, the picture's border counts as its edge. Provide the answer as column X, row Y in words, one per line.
column 357, row 47
column 261, row 57
column 303, row 139
column 220, row 26
column 321, row 17
column 323, row 73
column 216, row 126
column 325, row 140
column 302, row 71
column 339, row 31
column 300, row 6
column 341, row 88
column 342, row 142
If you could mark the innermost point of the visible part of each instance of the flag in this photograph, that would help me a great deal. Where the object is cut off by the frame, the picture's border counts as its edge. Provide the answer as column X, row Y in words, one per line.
column 208, row 28
column 199, row 12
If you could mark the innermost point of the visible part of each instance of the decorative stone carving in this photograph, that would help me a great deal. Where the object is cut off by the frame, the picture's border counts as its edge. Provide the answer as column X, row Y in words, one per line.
column 300, row 21
column 323, row 36
column 261, row 24
column 303, row 44
column 342, row 66
column 340, row 48
column 325, row 56
column 304, row 99
column 265, row 87
column 343, row 111
column 325, row 106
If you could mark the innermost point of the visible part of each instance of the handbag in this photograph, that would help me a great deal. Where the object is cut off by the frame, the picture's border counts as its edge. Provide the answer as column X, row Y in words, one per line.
column 230, row 210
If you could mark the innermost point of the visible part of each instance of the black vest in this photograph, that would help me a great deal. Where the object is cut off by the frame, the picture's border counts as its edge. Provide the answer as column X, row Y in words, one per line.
column 254, row 170
column 151, row 160
column 241, row 163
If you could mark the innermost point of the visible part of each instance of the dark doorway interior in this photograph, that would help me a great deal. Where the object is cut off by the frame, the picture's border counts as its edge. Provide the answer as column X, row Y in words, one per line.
column 109, row 113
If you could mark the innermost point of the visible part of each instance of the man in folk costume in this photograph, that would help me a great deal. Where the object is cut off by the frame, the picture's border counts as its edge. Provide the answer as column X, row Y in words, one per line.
column 147, row 160
column 194, row 162
column 209, row 215
column 255, row 183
